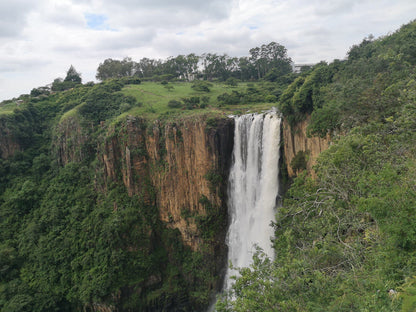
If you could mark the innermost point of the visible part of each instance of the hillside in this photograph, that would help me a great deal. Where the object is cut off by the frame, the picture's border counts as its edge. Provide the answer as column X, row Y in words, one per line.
column 345, row 240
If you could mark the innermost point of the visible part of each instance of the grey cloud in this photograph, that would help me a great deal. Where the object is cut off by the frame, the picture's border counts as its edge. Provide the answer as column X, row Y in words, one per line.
column 216, row 6
column 115, row 41
column 166, row 14
column 13, row 16
column 235, row 44
column 317, row 32
column 8, row 64
column 65, row 17
column 332, row 7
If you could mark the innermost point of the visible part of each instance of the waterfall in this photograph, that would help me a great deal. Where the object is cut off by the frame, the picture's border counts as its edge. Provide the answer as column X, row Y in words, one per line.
column 252, row 187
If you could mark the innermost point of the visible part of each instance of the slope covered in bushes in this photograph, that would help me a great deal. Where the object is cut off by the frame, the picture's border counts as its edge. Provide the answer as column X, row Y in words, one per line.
column 346, row 241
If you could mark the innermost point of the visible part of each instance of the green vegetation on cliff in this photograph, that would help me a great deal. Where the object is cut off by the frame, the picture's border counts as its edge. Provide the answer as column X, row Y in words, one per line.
column 346, row 241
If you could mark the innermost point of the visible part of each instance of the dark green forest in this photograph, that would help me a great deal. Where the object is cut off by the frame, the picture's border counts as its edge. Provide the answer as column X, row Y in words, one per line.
column 345, row 239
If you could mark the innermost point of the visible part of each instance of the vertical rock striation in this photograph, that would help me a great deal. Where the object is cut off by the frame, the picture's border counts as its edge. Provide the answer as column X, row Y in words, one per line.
column 70, row 140
column 169, row 164
column 8, row 142
column 296, row 140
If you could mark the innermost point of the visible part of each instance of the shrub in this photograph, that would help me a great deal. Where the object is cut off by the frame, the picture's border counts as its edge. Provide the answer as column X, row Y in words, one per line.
column 230, row 99
column 131, row 80
column 271, row 98
column 232, row 82
column 175, row 104
column 165, row 77
column 39, row 91
column 60, row 85
column 202, row 86
column 169, row 87
column 191, row 102
column 299, row 162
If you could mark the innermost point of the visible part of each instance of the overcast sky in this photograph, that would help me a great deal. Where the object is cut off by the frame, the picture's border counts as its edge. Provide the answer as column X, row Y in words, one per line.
column 40, row 39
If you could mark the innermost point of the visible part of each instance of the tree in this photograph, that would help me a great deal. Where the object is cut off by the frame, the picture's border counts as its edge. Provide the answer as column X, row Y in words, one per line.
column 246, row 68
column 146, row 67
column 115, row 69
column 183, row 67
column 72, row 75
column 218, row 66
column 272, row 55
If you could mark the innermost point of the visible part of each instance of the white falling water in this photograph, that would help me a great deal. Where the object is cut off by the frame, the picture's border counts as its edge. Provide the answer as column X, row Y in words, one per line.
column 252, row 187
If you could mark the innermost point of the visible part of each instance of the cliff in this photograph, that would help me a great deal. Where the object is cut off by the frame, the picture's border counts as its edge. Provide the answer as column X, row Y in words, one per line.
column 180, row 168
column 170, row 164
column 8, row 142
column 70, row 141
column 297, row 142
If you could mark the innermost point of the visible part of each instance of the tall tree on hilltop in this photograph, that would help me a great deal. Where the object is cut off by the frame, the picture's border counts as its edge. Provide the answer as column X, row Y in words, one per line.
column 72, row 75
column 115, row 69
column 147, row 67
column 182, row 66
column 272, row 55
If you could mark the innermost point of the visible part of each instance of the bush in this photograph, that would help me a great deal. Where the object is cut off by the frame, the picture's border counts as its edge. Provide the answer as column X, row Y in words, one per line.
column 131, row 80
column 202, row 86
column 271, row 98
column 230, row 99
column 175, row 104
column 124, row 107
column 169, row 87
column 232, row 82
column 192, row 102
column 166, row 77
column 104, row 101
column 39, row 91
column 60, row 85
column 299, row 162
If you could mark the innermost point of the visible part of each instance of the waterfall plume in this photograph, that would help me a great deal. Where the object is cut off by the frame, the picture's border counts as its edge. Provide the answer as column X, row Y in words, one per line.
column 253, row 187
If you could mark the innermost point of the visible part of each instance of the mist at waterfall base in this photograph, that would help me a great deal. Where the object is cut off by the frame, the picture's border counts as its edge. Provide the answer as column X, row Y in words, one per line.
column 253, row 188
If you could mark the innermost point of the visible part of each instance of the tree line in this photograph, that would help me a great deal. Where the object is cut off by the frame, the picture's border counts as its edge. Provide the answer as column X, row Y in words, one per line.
column 269, row 62
column 268, row 59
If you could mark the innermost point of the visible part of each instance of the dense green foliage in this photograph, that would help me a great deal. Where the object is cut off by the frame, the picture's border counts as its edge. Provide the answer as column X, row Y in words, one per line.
column 66, row 247
column 346, row 240
column 67, row 243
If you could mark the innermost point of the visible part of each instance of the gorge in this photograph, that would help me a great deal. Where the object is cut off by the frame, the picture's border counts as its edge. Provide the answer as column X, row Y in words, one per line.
column 181, row 167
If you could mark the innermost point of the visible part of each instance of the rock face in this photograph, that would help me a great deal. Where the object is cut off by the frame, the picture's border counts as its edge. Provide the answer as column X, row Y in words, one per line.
column 182, row 164
column 69, row 141
column 8, row 143
column 170, row 164
column 296, row 140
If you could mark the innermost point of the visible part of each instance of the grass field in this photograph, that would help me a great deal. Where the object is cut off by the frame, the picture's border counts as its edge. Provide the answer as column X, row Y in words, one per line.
column 155, row 97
